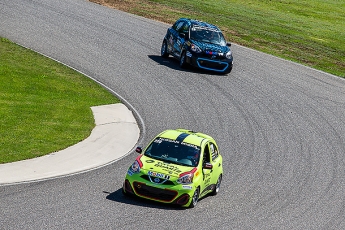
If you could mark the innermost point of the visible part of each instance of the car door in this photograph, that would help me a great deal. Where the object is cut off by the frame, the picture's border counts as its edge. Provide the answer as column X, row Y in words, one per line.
column 181, row 37
column 206, row 171
column 173, row 37
column 216, row 161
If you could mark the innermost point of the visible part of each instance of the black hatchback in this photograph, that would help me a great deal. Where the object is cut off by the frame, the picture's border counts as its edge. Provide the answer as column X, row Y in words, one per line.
column 199, row 44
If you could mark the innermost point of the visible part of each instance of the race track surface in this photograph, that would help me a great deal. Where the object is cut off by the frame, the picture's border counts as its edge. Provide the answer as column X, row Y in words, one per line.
column 280, row 127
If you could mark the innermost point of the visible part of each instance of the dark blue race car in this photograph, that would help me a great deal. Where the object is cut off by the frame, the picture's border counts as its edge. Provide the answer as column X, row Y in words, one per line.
column 198, row 44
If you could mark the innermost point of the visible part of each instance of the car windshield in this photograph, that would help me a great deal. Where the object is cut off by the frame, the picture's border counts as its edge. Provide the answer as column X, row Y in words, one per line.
column 173, row 151
column 209, row 35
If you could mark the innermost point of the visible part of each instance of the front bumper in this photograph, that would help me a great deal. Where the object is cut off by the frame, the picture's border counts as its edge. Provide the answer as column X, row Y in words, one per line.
column 208, row 62
column 172, row 194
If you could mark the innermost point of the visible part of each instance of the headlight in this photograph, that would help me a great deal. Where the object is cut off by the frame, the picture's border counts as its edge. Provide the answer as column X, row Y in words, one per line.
column 186, row 179
column 228, row 55
column 135, row 167
column 195, row 48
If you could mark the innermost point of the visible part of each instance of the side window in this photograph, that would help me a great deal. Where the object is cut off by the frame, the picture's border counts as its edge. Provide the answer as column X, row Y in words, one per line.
column 214, row 151
column 178, row 25
column 185, row 28
column 206, row 154
column 175, row 25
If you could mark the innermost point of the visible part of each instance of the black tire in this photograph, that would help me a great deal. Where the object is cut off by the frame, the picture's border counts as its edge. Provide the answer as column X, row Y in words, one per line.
column 195, row 198
column 123, row 192
column 164, row 49
column 217, row 186
column 183, row 63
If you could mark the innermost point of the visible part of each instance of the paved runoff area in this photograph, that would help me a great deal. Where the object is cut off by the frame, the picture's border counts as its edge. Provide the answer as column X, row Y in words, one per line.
column 115, row 134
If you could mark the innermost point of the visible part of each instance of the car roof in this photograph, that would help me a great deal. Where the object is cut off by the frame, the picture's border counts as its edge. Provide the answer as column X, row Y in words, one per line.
column 206, row 25
column 187, row 136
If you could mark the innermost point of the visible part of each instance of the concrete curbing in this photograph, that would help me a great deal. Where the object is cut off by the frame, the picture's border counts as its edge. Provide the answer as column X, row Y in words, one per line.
column 115, row 134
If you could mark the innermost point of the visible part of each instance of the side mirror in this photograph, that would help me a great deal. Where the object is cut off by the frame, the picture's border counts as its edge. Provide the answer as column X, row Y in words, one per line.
column 228, row 44
column 139, row 149
column 208, row 166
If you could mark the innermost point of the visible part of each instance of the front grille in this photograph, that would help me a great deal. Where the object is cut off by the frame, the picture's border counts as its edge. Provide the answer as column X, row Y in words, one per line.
column 157, row 180
column 154, row 193
column 212, row 64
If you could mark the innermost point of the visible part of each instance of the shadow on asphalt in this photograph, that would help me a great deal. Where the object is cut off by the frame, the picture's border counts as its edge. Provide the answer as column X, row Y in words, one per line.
column 174, row 64
column 117, row 196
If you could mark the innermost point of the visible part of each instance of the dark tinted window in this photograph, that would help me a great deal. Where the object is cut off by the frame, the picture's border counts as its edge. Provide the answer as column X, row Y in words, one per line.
column 178, row 25
column 174, row 152
column 204, row 34
column 214, row 151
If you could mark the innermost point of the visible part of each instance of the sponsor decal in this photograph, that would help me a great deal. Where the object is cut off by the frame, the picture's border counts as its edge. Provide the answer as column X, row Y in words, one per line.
column 160, row 140
column 207, row 181
column 214, row 54
column 168, row 167
column 187, row 187
column 190, row 145
column 160, row 175
column 149, row 161
column 211, row 52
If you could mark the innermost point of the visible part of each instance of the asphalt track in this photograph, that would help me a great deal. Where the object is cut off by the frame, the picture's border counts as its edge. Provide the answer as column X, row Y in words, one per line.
column 280, row 127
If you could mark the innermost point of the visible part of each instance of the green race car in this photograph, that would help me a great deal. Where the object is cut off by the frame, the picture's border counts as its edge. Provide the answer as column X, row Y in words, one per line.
column 178, row 167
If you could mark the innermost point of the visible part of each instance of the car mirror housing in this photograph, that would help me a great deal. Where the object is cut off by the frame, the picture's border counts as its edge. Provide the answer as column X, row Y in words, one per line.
column 228, row 44
column 208, row 166
column 182, row 35
column 139, row 149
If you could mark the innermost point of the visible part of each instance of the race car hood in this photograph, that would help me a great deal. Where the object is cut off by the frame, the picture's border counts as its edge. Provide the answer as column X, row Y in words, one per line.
column 164, row 169
column 208, row 47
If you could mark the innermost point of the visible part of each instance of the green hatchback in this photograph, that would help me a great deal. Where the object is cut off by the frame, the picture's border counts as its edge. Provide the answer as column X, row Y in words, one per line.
column 178, row 167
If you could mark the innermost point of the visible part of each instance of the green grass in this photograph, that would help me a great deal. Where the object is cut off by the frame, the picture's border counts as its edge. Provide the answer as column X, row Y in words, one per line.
column 311, row 32
column 44, row 105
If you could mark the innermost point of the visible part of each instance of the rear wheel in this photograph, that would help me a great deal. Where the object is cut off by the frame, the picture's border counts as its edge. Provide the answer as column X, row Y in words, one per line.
column 195, row 198
column 217, row 186
column 183, row 60
column 164, row 51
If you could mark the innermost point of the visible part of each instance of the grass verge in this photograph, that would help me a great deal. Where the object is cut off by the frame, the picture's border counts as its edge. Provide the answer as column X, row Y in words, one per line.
column 311, row 32
column 45, row 106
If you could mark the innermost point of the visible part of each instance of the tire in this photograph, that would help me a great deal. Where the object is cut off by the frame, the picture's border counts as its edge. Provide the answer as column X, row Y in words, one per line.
column 195, row 198
column 124, row 193
column 183, row 63
column 217, row 186
column 164, row 49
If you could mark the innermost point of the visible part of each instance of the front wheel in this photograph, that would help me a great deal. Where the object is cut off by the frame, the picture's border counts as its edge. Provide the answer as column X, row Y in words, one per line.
column 195, row 198
column 183, row 60
column 164, row 51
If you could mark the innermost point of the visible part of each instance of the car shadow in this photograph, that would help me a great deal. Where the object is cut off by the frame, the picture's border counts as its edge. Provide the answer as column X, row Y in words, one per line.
column 173, row 63
column 118, row 196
